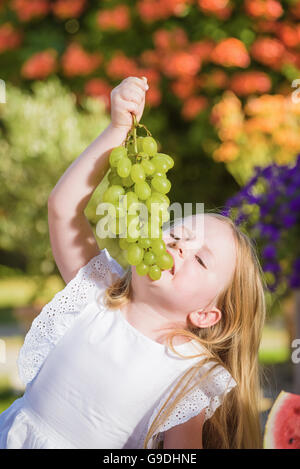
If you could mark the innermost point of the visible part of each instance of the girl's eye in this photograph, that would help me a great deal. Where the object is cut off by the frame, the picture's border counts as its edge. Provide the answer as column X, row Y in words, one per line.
column 172, row 234
column 201, row 261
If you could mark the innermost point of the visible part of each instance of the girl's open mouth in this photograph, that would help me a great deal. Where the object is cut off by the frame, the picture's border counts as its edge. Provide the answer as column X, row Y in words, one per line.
column 172, row 270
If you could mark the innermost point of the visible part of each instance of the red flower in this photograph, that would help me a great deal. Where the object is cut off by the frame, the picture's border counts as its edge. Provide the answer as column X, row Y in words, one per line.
column 120, row 66
column 68, row 8
column 221, row 8
column 268, row 51
column 98, row 88
column 116, row 18
column 180, row 63
column 76, row 61
column 289, row 34
column 265, row 9
column 40, row 65
column 193, row 106
column 150, row 58
column 246, row 83
column 30, row 9
column 10, row 38
column 231, row 52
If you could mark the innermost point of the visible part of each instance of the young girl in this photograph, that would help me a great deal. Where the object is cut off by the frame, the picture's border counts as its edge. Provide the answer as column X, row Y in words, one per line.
column 117, row 360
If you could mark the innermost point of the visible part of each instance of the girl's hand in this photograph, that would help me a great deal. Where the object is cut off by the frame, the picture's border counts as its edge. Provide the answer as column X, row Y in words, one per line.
column 126, row 98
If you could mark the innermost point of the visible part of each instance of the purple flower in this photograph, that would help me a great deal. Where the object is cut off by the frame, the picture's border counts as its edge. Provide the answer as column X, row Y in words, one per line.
column 289, row 220
column 269, row 251
column 295, row 204
column 272, row 266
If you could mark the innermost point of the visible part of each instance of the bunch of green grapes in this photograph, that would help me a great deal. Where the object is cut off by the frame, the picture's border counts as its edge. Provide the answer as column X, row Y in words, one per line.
column 137, row 190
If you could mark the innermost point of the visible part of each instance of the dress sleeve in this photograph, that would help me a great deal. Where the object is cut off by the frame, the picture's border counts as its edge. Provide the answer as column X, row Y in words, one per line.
column 59, row 314
column 207, row 396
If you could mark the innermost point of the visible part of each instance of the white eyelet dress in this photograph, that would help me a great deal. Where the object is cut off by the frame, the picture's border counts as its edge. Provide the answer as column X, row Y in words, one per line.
column 93, row 380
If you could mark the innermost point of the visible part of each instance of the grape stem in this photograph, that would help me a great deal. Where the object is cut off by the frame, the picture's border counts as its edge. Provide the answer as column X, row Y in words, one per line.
column 133, row 132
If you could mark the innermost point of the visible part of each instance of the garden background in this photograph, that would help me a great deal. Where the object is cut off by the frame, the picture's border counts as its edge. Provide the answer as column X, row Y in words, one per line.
column 223, row 102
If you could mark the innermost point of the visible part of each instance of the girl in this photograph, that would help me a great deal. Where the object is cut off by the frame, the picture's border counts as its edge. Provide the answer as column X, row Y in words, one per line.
column 116, row 360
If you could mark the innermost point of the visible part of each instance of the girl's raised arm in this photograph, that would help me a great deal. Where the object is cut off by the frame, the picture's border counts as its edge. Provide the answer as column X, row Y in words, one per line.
column 71, row 236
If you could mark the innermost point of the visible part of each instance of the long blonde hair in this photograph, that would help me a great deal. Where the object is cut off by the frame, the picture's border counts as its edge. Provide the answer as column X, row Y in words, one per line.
column 233, row 342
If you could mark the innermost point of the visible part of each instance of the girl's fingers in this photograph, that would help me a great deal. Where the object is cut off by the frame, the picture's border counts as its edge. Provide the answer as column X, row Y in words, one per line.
column 132, row 94
column 138, row 81
column 131, row 107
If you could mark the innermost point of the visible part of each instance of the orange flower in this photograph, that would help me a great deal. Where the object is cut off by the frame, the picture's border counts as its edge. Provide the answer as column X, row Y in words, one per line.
column 202, row 49
column 184, row 87
column 150, row 58
column 10, row 38
column 295, row 10
column 269, row 51
column 98, row 88
column 170, row 40
column 180, row 64
column 266, row 9
column 120, row 66
column 266, row 104
column 246, row 83
column 231, row 52
column 215, row 79
column 193, row 106
column 40, row 65
column 76, row 61
column 115, row 18
column 227, row 151
column 153, row 10
column 289, row 34
column 68, row 8
column 30, row 9
column 221, row 8
column 153, row 97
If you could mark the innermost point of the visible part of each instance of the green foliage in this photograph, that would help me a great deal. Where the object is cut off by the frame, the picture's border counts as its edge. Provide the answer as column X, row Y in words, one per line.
column 42, row 132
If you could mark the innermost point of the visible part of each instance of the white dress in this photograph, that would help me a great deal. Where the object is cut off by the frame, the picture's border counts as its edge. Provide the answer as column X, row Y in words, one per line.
column 93, row 380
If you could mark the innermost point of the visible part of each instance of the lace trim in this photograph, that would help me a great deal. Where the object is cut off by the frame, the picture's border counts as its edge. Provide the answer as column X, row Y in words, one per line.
column 59, row 314
column 207, row 396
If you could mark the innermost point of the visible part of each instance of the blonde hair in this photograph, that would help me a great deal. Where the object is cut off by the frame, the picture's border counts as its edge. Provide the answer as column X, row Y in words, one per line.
column 233, row 342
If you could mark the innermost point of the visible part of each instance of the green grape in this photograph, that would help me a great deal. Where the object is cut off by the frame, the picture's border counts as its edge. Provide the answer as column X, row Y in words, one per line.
column 139, row 142
column 123, row 243
column 137, row 173
column 162, row 197
column 160, row 163
column 135, row 254
column 144, row 243
column 165, row 261
column 131, row 198
column 149, row 258
column 133, row 226
column 148, row 167
column 116, row 180
column 149, row 146
column 116, row 154
column 127, row 182
column 124, row 167
column 168, row 158
column 154, row 230
column 161, row 184
column 142, row 190
column 111, row 195
column 154, row 272
column 158, row 247
column 142, row 269
column 115, row 226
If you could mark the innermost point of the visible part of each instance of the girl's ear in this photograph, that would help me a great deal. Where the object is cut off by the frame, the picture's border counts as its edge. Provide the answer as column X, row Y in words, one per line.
column 201, row 318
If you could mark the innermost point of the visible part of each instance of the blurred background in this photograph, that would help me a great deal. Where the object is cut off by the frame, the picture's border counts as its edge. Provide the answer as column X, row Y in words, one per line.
column 223, row 101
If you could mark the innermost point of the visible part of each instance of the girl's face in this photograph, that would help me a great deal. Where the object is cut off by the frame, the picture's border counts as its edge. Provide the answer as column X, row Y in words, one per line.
column 203, row 250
